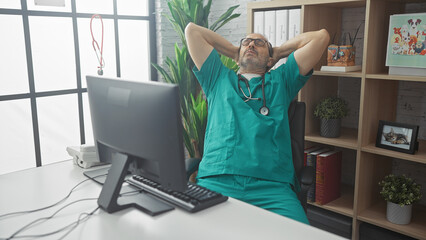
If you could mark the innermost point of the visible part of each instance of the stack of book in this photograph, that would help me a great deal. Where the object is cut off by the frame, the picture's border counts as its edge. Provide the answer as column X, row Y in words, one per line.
column 328, row 176
column 312, row 161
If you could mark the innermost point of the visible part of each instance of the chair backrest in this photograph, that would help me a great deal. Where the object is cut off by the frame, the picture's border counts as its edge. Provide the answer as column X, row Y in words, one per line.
column 296, row 117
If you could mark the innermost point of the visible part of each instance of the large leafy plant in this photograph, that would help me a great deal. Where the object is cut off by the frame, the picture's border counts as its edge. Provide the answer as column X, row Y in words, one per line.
column 400, row 189
column 179, row 70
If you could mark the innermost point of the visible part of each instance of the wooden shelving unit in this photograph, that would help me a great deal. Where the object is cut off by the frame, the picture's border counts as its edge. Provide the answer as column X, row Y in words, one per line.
column 377, row 215
column 348, row 138
column 343, row 205
column 338, row 74
column 419, row 157
column 377, row 101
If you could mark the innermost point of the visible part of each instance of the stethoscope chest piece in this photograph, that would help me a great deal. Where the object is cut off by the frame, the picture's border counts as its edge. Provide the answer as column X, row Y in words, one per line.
column 264, row 111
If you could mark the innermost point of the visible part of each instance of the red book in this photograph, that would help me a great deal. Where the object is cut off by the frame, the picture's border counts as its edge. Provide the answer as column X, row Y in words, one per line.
column 328, row 176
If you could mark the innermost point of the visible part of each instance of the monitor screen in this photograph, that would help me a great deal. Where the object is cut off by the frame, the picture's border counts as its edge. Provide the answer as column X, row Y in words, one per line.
column 141, row 120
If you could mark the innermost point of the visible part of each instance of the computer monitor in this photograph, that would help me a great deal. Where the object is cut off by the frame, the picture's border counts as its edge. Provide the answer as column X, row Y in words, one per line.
column 137, row 126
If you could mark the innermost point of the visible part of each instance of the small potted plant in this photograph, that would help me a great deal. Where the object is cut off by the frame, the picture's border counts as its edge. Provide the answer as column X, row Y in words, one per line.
column 400, row 192
column 331, row 110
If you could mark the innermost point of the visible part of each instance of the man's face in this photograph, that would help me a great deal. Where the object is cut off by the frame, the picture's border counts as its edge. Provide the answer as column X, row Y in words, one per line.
column 254, row 52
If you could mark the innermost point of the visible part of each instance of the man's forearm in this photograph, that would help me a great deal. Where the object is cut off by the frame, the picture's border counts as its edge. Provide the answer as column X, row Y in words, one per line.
column 298, row 42
column 195, row 34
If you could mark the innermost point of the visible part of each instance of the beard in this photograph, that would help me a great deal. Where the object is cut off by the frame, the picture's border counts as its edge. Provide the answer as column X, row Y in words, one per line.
column 252, row 60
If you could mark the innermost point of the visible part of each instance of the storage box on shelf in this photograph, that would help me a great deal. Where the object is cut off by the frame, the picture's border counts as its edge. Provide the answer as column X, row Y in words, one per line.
column 378, row 101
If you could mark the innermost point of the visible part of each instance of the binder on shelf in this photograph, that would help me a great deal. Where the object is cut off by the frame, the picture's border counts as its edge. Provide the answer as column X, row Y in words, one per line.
column 328, row 177
column 270, row 27
column 312, row 161
column 281, row 37
column 293, row 23
column 259, row 22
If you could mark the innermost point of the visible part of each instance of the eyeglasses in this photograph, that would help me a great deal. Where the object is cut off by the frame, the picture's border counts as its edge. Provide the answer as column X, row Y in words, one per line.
column 257, row 41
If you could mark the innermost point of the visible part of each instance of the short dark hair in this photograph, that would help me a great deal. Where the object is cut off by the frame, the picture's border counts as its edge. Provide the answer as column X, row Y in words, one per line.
column 270, row 49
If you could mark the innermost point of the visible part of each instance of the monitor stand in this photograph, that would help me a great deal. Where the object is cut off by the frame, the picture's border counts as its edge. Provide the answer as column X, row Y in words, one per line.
column 109, row 199
column 98, row 175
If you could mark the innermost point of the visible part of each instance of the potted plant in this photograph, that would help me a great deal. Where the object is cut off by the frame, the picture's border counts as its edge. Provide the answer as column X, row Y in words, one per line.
column 330, row 111
column 400, row 192
column 179, row 70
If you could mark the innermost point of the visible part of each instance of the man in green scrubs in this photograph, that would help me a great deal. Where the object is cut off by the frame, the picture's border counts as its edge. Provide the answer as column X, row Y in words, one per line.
column 247, row 148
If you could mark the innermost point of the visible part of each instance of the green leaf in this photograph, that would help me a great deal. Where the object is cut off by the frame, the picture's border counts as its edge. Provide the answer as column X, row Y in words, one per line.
column 162, row 72
column 226, row 21
column 223, row 17
column 188, row 144
column 229, row 63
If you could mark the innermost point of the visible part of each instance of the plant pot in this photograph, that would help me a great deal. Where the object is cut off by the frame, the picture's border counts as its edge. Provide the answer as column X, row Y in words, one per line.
column 397, row 214
column 330, row 128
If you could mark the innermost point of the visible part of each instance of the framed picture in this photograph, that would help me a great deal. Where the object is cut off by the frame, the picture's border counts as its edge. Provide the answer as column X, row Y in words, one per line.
column 407, row 41
column 397, row 136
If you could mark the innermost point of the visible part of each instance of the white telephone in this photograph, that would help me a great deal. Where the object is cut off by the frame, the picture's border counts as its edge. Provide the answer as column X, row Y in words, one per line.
column 84, row 156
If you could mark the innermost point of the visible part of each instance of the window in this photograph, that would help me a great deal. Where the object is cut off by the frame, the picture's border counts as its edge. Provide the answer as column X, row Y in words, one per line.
column 46, row 54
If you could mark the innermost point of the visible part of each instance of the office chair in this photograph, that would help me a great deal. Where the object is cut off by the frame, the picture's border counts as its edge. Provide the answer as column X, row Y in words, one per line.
column 305, row 174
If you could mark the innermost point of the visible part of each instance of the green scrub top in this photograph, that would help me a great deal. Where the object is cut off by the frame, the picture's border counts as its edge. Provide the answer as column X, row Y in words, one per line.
column 239, row 140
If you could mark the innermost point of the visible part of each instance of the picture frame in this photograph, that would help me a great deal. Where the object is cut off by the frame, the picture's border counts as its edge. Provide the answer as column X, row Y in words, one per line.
column 406, row 45
column 398, row 137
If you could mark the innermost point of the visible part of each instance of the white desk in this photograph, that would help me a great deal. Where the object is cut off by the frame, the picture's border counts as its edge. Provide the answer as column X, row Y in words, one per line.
column 39, row 187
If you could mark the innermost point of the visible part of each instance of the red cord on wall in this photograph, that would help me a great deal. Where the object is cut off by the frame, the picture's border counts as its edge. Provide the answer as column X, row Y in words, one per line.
column 96, row 45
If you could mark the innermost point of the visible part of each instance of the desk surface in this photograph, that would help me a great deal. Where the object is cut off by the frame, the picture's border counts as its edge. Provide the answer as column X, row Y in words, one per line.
column 40, row 187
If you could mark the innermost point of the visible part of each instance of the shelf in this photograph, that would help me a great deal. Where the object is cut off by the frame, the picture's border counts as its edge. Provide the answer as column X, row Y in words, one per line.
column 348, row 138
column 356, row 74
column 376, row 94
column 386, row 76
column 343, row 205
column 419, row 156
column 377, row 215
column 293, row 3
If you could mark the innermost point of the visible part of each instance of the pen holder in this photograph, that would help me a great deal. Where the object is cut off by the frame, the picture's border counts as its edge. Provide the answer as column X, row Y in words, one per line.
column 341, row 55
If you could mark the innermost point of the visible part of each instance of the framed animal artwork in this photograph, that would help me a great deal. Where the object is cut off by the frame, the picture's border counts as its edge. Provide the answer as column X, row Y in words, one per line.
column 399, row 137
column 406, row 47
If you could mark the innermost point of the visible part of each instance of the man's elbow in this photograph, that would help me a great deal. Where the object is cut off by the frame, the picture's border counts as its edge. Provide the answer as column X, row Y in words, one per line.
column 189, row 28
column 324, row 36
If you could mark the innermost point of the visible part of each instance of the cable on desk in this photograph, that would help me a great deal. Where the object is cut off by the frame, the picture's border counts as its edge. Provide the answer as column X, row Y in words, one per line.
column 52, row 205
column 72, row 226
column 76, row 223
column 46, row 218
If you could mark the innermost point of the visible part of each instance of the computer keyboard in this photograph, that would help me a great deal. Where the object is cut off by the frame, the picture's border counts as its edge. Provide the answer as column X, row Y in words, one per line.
column 194, row 199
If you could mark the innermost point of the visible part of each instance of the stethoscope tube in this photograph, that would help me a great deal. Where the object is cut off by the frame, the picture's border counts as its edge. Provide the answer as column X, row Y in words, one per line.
column 264, row 110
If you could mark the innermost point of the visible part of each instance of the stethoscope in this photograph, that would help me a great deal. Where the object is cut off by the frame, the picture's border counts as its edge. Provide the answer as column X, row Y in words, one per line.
column 96, row 45
column 264, row 110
